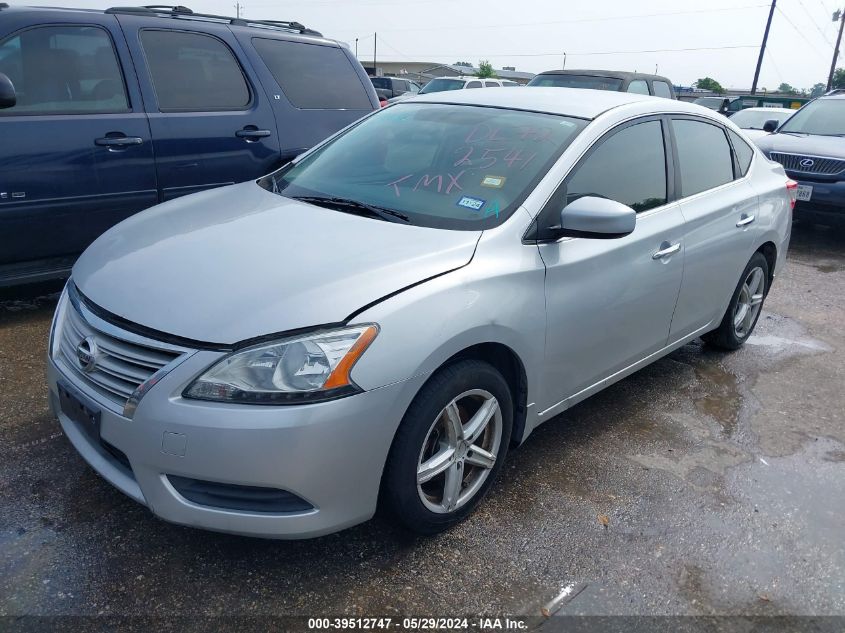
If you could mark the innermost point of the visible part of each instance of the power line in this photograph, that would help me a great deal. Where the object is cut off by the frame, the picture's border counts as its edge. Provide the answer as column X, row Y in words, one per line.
column 587, row 54
column 611, row 18
column 815, row 24
column 797, row 30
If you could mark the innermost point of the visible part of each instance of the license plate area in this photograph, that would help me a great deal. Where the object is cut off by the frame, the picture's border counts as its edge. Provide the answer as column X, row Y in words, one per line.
column 805, row 192
column 75, row 406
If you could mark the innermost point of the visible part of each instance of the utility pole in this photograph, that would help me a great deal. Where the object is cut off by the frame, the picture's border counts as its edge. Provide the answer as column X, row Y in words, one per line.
column 356, row 48
column 375, row 45
column 763, row 48
column 838, row 16
column 564, row 61
column 238, row 7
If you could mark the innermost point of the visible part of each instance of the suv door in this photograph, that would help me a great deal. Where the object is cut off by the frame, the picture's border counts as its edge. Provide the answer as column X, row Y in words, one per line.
column 719, row 207
column 211, row 124
column 75, row 152
column 609, row 302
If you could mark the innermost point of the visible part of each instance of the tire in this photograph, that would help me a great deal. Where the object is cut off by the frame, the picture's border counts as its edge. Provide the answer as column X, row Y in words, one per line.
column 428, row 431
column 729, row 335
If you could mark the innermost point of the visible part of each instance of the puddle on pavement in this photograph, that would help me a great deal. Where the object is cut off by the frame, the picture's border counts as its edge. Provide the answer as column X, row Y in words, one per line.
column 722, row 401
column 830, row 268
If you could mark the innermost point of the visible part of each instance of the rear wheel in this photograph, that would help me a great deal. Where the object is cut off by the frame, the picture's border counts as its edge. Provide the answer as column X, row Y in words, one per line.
column 744, row 309
column 449, row 447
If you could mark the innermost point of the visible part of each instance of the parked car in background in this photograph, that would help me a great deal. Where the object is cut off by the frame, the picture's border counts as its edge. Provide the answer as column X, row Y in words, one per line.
column 446, row 84
column 618, row 81
column 389, row 87
column 811, row 147
column 723, row 105
column 345, row 338
column 114, row 111
column 753, row 120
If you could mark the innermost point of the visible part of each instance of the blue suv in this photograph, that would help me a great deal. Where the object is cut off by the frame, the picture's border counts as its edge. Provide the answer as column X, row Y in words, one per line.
column 106, row 113
column 811, row 147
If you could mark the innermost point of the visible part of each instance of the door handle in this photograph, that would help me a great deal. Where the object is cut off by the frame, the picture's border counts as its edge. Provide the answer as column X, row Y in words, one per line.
column 745, row 220
column 118, row 141
column 666, row 251
column 251, row 133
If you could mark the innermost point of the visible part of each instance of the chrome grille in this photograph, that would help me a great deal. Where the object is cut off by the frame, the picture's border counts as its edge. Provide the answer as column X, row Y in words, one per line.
column 120, row 365
column 820, row 165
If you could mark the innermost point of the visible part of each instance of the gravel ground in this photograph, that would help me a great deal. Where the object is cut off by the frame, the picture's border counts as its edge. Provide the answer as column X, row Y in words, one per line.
column 721, row 478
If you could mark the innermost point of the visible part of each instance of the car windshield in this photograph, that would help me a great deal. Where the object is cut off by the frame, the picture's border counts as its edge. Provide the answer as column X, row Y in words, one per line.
column 436, row 165
column 442, row 85
column 577, row 81
column 756, row 119
column 825, row 117
column 714, row 103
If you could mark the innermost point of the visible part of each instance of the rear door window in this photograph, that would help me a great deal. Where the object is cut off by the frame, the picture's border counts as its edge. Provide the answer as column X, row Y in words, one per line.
column 473, row 84
column 638, row 86
column 63, row 69
column 662, row 89
column 743, row 152
column 491, row 84
column 636, row 158
column 704, row 156
column 313, row 76
column 193, row 72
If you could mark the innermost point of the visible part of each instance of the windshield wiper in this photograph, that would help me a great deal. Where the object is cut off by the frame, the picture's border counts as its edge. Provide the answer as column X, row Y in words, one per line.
column 347, row 205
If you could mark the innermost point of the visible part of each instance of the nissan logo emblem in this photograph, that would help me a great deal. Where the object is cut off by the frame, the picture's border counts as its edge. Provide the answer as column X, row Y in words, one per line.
column 86, row 354
column 807, row 162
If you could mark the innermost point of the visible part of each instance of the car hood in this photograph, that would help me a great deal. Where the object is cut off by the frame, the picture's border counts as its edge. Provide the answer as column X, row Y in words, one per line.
column 231, row 264
column 813, row 145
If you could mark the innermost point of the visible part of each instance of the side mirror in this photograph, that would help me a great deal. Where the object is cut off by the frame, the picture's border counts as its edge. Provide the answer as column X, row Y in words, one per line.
column 599, row 218
column 7, row 92
column 771, row 125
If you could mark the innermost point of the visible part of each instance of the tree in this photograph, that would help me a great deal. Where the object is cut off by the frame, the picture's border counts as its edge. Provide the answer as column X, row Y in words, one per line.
column 786, row 89
column 485, row 69
column 708, row 83
column 839, row 78
column 817, row 90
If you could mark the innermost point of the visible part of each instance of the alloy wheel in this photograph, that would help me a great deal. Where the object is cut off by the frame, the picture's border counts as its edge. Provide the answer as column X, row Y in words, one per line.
column 749, row 302
column 459, row 451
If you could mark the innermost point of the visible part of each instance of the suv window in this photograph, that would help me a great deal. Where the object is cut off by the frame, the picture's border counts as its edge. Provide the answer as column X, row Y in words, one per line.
column 473, row 84
column 662, row 89
column 704, row 156
column 193, row 72
column 313, row 76
column 68, row 69
column 636, row 158
column 491, row 84
column 639, row 86
column 743, row 152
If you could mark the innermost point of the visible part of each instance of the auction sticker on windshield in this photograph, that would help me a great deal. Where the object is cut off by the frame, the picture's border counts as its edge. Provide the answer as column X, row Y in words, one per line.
column 471, row 203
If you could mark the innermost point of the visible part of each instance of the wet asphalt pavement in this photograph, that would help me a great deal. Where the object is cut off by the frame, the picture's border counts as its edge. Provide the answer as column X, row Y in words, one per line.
column 721, row 478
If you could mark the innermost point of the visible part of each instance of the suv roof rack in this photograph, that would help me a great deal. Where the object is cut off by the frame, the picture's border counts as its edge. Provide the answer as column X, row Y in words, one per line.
column 183, row 12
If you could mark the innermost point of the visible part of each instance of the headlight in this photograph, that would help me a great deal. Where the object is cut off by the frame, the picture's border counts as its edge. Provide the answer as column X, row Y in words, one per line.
column 307, row 368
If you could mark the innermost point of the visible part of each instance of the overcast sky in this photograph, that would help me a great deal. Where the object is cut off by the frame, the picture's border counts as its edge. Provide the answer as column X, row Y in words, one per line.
column 534, row 34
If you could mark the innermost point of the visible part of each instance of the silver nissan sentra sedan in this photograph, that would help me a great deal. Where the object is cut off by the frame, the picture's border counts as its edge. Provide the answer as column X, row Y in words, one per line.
column 382, row 319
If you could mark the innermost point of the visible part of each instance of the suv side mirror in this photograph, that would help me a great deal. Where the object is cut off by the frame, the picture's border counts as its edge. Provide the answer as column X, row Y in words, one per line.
column 771, row 125
column 594, row 217
column 8, row 99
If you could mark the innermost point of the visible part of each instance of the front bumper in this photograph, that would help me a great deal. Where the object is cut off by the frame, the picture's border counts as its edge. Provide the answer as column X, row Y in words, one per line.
column 330, row 454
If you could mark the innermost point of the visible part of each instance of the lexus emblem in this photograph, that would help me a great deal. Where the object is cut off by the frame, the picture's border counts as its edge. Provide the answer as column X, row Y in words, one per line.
column 86, row 354
column 807, row 162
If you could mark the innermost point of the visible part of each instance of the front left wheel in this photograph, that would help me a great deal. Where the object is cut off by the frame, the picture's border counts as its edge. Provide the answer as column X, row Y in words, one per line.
column 449, row 447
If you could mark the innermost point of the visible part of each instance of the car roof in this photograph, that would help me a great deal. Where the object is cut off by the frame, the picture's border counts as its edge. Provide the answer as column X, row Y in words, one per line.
column 615, row 74
column 575, row 102
column 183, row 14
